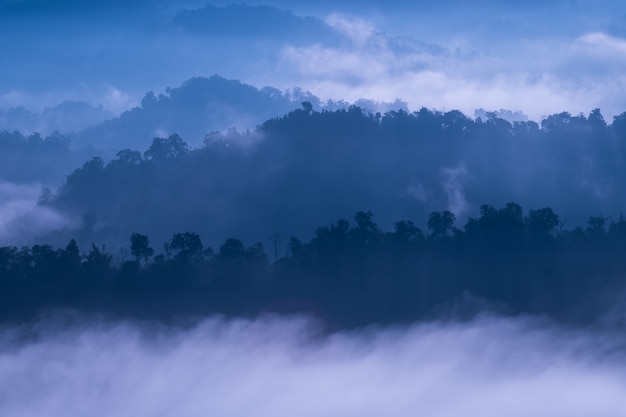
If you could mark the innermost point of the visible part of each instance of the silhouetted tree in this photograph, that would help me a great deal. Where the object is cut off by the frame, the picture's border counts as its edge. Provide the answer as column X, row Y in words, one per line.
column 140, row 247
column 187, row 247
column 441, row 224
column 543, row 221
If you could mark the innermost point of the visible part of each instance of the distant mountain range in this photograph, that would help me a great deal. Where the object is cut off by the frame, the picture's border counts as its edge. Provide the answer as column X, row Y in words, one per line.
column 195, row 109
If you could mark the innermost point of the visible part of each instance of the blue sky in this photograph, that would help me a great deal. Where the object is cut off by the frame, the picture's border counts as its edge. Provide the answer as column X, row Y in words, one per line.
column 538, row 57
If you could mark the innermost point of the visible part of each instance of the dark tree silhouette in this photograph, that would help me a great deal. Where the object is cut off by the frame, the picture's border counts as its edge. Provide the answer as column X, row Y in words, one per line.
column 350, row 273
column 140, row 247
column 187, row 248
column 441, row 224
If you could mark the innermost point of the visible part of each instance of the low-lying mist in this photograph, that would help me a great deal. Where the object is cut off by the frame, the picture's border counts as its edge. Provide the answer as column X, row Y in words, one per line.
column 490, row 366
column 21, row 217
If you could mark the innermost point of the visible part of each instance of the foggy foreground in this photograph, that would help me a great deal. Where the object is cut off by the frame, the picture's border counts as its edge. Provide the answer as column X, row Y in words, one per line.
column 288, row 367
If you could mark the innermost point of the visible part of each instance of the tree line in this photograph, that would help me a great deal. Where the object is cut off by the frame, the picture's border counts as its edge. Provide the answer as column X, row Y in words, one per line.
column 348, row 273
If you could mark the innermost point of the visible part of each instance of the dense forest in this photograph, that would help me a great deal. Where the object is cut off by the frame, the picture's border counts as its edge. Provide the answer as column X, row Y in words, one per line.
column 347, row 274
column 310, row 167
column 44, row 146
column 276, row 184
column 313, row 208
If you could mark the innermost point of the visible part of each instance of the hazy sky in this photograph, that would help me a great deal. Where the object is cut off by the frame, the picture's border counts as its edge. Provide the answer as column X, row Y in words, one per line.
column 538, row 57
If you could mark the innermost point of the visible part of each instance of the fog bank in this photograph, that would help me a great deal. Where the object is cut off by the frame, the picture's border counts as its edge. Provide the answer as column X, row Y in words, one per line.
column 21, row 217
column 280, row 367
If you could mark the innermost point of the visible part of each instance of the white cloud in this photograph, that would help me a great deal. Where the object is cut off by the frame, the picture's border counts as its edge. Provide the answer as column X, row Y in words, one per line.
column 11, row 98
column 453, row 186
column 319, row 62
column 358, row 30
column 539, row 77
column 488, row 367
column 602, row 44
column 116, row 100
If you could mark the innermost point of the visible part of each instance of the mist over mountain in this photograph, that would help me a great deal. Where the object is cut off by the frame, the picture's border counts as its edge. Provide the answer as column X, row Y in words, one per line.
column 30, row 166
column 311, row 167
column 377, row 208
column 196, row 108
column 36, row 156
column 66, row 117
column 40, row 159
column 201, row 106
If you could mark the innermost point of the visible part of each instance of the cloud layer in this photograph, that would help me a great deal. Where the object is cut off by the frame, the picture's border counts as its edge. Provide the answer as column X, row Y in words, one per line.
column 538, row 76
column 538, row 58
column 270, row 367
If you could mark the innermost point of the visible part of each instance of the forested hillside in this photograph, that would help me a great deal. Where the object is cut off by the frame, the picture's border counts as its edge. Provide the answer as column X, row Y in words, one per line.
column 308, row 168
column 188, row 210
